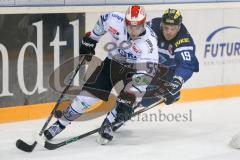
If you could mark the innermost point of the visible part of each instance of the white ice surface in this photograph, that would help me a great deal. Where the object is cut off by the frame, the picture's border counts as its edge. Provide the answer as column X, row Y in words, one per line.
column 206, row 137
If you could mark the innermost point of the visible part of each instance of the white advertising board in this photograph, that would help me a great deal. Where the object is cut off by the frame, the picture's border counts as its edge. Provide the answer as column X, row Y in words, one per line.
column 215, row 29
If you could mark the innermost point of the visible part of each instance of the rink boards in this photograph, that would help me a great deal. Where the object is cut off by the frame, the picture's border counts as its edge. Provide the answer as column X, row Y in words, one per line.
column 215, row 28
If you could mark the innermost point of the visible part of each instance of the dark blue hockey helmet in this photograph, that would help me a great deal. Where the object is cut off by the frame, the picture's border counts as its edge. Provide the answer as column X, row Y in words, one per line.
column 172, row 17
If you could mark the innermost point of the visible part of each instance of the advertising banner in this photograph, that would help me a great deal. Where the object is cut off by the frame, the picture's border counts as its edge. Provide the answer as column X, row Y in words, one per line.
column 32, row 46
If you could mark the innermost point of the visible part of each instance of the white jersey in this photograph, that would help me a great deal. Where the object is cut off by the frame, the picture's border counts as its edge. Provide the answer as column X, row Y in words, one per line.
column 142, row 51
column 141, row 54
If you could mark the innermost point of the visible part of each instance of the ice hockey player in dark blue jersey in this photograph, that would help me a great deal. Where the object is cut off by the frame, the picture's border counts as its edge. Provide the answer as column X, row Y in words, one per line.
column 176, row 50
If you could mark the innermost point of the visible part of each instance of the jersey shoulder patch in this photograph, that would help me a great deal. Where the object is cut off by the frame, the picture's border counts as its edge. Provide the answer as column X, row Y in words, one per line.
column 182, row 41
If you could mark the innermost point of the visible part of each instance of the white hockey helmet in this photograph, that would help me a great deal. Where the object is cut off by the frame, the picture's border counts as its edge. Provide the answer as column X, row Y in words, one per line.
column 135, row 19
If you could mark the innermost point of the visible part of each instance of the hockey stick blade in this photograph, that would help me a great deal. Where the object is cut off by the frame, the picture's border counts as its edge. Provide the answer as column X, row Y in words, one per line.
column 20, row 144
column 52, row 146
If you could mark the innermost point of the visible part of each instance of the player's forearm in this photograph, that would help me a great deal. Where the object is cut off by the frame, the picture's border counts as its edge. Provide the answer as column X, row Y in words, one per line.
column 99, row 29
column 183, row 74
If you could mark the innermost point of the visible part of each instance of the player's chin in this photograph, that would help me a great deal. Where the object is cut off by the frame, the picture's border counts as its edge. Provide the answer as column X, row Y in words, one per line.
column 168, row 38
column 134, row 36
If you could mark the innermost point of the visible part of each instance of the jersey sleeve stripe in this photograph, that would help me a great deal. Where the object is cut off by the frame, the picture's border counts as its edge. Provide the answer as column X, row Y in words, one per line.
column 96, row 33
column 183, row 48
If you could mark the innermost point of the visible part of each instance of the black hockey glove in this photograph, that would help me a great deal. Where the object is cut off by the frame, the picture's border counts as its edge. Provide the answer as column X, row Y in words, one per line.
column 87, row 46
column 174, row 86
column 173, row 91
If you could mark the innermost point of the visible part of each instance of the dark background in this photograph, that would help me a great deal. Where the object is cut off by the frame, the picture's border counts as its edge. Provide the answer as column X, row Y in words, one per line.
column 15, row 31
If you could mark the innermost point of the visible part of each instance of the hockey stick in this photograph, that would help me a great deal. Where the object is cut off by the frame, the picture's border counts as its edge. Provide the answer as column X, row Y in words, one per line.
column 20, row 144
column 52, row 146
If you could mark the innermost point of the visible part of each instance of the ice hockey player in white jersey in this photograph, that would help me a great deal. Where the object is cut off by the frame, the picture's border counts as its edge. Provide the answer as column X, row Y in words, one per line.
column 140, row 55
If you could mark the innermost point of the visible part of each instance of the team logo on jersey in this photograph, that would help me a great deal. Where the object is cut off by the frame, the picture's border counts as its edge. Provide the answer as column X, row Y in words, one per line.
column 114, row 32
column 127, row 55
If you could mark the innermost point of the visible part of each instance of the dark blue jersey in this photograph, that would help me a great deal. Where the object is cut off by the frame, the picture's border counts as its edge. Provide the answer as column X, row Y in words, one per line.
column 178, row 53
